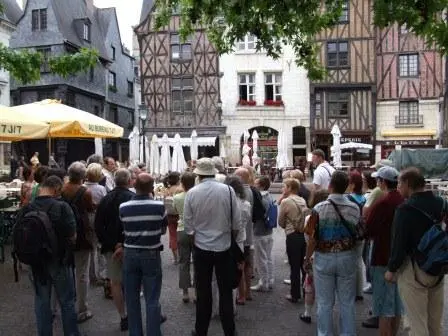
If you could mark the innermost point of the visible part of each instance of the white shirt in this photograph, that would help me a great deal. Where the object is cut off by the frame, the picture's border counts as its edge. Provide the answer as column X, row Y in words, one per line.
column 207, row 215
column 110, row 181
column 322, row 175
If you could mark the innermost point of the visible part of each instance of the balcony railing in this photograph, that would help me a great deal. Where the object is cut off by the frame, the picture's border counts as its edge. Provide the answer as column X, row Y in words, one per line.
column 409, row 120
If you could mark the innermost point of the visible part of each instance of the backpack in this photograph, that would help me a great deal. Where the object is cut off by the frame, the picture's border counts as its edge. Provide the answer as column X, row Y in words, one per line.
column 431, row 254
column 35, row 242
column 258, row 210
column 271, row 214
column 81, row 219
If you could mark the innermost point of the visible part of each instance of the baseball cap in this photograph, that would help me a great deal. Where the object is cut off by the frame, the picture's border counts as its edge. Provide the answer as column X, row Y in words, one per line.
column 387, row 173
column 383, row 163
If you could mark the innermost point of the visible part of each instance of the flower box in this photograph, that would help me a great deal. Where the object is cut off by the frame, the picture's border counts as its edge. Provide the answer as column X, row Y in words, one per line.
column 273, row 103
column 247, row 102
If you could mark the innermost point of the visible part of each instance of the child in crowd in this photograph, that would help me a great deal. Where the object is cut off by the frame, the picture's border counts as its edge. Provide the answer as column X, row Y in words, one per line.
column 308, row 285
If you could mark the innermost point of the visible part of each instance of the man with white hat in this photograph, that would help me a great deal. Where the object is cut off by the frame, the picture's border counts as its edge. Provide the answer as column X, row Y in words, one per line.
column 211, row 215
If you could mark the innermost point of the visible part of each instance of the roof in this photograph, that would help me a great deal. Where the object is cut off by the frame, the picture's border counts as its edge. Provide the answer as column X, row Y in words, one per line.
column 146, row 9
column 67, row 12
column 11, row 11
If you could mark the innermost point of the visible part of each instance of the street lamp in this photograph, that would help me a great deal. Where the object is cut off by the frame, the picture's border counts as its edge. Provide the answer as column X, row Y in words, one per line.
column 143, row 111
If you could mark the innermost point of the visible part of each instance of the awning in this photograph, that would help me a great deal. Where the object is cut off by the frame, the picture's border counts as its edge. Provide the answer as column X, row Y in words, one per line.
column 187, row 142
column 409, row 132
column 354, row 145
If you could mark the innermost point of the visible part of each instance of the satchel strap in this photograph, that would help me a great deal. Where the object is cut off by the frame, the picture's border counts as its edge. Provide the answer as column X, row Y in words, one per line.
column 343, row 220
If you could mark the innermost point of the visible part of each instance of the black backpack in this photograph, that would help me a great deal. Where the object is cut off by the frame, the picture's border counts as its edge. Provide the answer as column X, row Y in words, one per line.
column 258, row 210
column 35, row 242
column 80, row 218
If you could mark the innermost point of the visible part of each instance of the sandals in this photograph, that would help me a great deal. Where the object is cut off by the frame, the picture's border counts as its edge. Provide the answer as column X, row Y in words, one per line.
column 84, row 316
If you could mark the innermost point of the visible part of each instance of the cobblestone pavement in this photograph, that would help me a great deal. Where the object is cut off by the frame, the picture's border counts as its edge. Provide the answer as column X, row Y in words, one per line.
column 269, row 314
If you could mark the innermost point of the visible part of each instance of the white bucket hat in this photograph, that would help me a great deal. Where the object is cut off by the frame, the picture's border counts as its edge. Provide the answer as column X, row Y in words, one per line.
column 205, row 167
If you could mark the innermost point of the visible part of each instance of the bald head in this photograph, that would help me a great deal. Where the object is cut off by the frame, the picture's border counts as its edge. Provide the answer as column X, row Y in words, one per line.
column 244, row 174
column 144, row 184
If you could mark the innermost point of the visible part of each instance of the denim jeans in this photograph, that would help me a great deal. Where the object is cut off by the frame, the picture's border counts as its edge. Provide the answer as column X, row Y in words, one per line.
column 61, row 278
column 335, row 275
column 142, row 267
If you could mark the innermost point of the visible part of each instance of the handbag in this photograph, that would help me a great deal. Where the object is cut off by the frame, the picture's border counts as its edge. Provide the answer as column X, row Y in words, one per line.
column 358, row 232
column 236, row 255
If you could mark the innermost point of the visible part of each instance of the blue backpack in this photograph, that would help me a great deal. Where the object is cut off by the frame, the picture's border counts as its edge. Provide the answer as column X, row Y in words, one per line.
column 271, row 214
column 431, row 254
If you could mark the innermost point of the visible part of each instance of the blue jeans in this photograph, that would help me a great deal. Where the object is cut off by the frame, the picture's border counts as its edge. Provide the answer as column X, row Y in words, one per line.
column 61, row 278
column 142, row 267
column 335, row 275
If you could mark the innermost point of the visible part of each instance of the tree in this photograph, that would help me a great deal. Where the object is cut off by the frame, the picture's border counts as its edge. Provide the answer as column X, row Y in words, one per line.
column 295, row 22
column 24, row 65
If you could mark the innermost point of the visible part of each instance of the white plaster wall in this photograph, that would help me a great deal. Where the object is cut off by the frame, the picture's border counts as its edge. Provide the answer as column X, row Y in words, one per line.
column 295, row 96
column 5, row 34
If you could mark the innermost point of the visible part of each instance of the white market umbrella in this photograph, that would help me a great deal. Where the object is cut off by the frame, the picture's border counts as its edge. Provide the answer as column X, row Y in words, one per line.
column 154, row 156
column 194, row 145
column 99, row 146
column 165, row 159
column 246, row 136
column 336, row 149
column 134, row 145
column 178, row 163
column 282, row 155
column 356, row 145
column 222, row 150
column 255, row 138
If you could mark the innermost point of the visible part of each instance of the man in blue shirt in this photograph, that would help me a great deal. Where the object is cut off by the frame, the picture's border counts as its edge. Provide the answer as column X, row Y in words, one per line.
column 144, row 221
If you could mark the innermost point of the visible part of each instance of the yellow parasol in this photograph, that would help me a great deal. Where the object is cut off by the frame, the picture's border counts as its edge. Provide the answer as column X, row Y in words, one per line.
column 15, row 125
column 69, row 122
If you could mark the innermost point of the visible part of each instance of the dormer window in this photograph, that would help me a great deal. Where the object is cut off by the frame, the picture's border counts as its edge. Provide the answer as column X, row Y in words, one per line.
column 86, row 31
column 113, row 52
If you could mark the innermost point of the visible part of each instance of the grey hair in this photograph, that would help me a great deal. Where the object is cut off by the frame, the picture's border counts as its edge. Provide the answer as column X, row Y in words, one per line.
column 77, row 171
column 122, row 177
column 94, row 158
column 219, row 163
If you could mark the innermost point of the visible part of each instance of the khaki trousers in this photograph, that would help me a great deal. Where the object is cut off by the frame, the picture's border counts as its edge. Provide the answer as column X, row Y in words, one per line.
column 423, row 305
column 82, row 266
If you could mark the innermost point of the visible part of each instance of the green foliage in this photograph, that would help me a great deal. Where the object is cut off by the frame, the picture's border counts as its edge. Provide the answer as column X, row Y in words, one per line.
column 295, row 22
column 24, row 65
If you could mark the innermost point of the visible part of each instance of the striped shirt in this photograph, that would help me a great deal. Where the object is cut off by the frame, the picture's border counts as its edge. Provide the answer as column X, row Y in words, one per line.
column 144, row 221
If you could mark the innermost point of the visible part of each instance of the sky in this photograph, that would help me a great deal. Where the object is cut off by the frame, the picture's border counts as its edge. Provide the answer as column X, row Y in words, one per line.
column 128, row 12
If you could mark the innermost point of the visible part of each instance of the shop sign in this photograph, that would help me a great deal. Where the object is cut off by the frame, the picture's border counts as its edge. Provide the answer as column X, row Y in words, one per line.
column 409, row 143
column 355, row 139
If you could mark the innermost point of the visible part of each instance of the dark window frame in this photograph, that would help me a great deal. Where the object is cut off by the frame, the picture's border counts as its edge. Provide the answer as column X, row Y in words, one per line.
column 274, row 84
column 250, row 97
column 113, row 114
column 179, row 87
column 183, row 55
column 345, row 15
column 39, row 19
column 86, row 37
column 114, row 53
column 130, row 88
column 318, row 104
column 46, row 54
column 408, row 112
column 338, row 54
column 407, row 65
column 336, row 104
column 114, row 79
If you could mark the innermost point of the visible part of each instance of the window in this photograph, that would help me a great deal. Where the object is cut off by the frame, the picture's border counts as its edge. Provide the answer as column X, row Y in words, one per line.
column 113, row 52
column 182, row 95
column 180, row 51
column 130, row 118
column 112, row 79
column 248, row 43
column 273, row 86
column 344, row 18
column 337, row 54
column 113, row 114
column 130, row 89
column 45, row 57
column 409, row 113
column 246, row 83
column 47, row 94
column 39, row 19
column 96, row 110
column 86, row 31
column 338, row 104
column 409, row 65
column 91, row 74
column 318, row 104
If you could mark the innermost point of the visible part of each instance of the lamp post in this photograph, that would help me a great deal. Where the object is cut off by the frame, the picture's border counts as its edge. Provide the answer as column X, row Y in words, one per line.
column 143, row 111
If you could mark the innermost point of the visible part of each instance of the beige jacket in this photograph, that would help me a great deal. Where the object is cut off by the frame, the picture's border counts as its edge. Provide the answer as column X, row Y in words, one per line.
column 293, row 211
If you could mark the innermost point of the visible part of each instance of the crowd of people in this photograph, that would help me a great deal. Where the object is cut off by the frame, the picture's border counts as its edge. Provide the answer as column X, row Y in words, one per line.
column 342, row 230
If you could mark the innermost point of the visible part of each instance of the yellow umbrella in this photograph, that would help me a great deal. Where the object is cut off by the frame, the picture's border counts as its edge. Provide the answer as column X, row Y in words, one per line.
column 69, row 122
column 15, row 125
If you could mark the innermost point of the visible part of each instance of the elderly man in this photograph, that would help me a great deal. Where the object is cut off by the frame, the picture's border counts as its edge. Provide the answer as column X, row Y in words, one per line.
column 144, row 221
column 109, row 231
column 109, row 169
column 212, row 241
column 80, row 199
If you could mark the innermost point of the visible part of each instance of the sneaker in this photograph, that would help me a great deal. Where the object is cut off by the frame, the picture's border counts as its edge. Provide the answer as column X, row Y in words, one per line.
column 291, row 299
column 124, row 325
column 371, row 323
column 287, row 282
column 368, row 289
column 259, row 288
column 305, row 318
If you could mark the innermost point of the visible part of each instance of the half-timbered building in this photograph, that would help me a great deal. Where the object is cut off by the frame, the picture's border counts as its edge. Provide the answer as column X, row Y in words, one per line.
column 346, row 96
column 410, row 91
column 180, row 81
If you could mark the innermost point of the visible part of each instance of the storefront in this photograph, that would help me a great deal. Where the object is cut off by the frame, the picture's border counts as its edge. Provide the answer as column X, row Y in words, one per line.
column 390, row 145
column 267, row 147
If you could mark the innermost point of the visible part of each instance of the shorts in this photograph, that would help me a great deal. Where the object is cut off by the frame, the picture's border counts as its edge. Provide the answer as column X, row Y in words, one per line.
column 114, row 268
column 386, row 299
